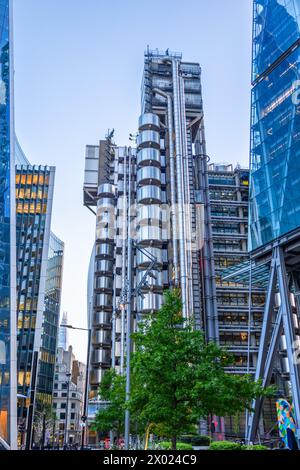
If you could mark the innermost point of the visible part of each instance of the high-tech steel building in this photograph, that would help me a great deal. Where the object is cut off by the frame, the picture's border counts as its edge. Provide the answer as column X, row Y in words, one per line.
column 274, row 191
column 240, row 309
column 158, row 193
column 228, row 189
column 68, row 397
column 8, row 392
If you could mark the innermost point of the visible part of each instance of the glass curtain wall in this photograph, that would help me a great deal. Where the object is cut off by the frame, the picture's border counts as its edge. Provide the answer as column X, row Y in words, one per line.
column 275, row 136
column 7, row 281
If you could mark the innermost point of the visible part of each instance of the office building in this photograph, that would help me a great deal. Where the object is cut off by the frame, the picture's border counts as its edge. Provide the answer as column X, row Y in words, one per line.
column 239, row 321
column 34, row 195
column 163, row 180
column 8, row 386
column 68, row 397
column 50, row 329
column 39, row 283
column 274, row 219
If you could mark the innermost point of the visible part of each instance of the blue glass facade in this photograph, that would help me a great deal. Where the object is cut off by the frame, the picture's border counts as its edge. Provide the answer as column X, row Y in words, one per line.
column 275, row 122
column 275, row 30
column 6, row 199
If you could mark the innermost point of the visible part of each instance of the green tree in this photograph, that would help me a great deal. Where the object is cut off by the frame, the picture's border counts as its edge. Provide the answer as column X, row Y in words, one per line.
column 177, row 377
column 112, row 391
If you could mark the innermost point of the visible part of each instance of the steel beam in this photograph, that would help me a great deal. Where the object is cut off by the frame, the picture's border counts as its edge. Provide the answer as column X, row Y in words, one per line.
column 253, row 419
column 289, row 330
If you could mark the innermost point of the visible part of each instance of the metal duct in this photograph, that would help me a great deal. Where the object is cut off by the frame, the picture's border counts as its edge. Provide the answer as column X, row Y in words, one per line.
column 172, row 183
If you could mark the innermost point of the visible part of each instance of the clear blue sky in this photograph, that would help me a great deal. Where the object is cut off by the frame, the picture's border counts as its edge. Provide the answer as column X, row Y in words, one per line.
column 78, row 69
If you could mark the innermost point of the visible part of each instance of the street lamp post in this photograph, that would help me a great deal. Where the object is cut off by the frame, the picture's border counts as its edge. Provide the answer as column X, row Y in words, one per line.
column 129, row 305
column 84, row 417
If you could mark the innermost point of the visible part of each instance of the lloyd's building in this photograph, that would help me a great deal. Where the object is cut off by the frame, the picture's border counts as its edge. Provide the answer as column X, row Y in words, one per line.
column 8, row 374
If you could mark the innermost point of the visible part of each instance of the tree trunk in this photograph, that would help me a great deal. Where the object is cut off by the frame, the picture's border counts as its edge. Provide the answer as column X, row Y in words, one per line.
column 174, row 442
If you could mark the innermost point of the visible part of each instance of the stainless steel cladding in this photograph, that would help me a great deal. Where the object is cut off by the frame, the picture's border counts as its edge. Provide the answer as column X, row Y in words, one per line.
column 105, row 224
column 148, row 235
column 148, row 156
column 101, row 338
column 149, row 215
column 154, row 281
column 149, row 175
column 102, row 319
column 106, row 202
column 149, row 302
column 142, row 258
column 105, row 233
column 148, row 139
column 96, row 375
column 149, row 121
column 103, row 302
column 104, row 266
column 104, row 250
column 149, row 195
column 104, row 283
column 106, row 190
column 100, row 356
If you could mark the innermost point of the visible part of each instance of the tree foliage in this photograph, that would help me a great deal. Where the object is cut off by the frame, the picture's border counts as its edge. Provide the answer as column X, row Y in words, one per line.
column 112, row 391
column 177, row 377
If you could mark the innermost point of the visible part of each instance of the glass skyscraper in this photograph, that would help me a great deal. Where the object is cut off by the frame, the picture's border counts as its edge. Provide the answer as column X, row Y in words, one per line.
column 8, row 396
column 34, row 195
column 50, row 322
column 275, row 121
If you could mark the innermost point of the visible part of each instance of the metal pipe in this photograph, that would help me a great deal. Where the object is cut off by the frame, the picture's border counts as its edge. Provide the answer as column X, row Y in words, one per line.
column 186, row 195
column 249, row 334
column 124, row 231
column 172, row 182
column 113, row 324
column 86, row 390
column 209, row 272
column 183, row 271
column 129, row 310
